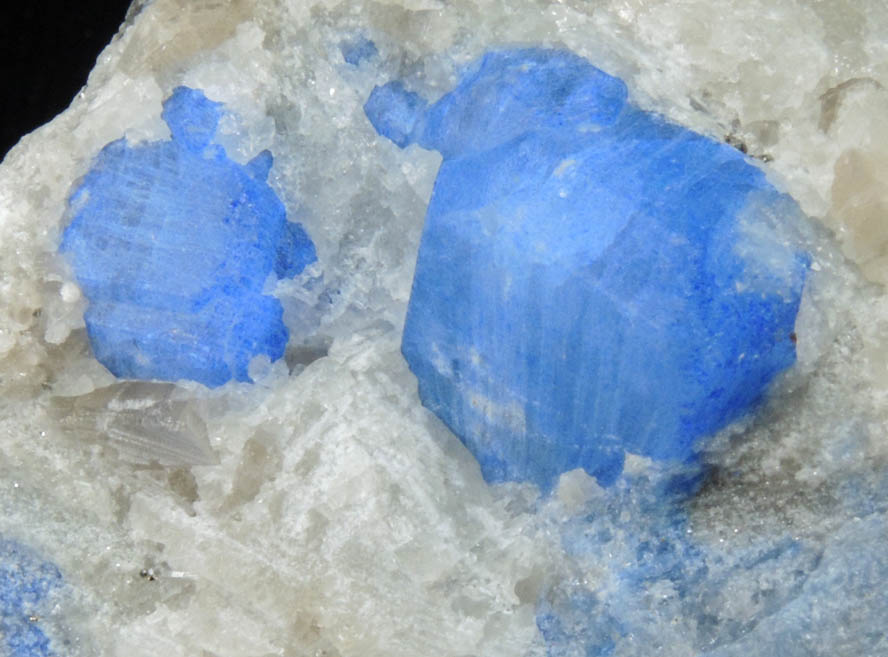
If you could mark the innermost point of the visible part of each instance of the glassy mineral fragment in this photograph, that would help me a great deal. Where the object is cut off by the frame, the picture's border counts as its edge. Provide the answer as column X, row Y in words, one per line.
column 593, row 279
column 172, row 243
column 144, row 420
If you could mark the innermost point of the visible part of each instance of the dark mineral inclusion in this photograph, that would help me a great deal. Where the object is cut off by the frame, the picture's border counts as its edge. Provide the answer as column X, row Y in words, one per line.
column 592, row 279
column 172, row 243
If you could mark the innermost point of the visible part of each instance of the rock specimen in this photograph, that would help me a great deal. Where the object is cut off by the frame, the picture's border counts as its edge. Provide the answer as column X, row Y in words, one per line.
column 172, row 243
column 322, row 511
column 593, row 279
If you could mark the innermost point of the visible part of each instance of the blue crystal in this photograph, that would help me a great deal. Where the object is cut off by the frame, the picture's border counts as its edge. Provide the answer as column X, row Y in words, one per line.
column 592, row 278
column 395, row 112
column 26, row 583
column 172, row 243
column 358, row 49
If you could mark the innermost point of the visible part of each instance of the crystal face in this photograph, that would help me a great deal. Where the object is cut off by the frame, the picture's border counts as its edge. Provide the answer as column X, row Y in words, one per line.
column 592, row 279
column 172, row 243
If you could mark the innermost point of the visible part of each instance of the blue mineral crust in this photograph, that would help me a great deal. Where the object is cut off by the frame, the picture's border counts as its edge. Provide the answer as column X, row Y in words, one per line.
column 172, row 243
column 26, row 585
column 592, row 279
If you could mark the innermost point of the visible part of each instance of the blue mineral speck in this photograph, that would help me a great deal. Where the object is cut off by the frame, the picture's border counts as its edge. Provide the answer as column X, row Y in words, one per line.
column 395, row 111
column 592, row 279
column 172, row 243
column 358, row 49
column 26, row 584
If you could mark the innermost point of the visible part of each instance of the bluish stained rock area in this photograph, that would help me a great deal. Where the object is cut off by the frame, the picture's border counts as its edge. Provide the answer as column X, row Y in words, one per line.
column 26, row 585
column 592, row 279
column 172, row 243
column 654, row 588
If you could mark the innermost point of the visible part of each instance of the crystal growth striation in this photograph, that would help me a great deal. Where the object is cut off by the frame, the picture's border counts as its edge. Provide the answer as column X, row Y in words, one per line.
column 593, row 279
column 172, row 243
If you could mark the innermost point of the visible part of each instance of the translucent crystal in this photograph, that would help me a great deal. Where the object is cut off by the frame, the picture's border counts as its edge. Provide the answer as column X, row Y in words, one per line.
column 144, row 420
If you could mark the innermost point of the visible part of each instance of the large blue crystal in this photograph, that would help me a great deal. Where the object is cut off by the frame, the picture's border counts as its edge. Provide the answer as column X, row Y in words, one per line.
column 172, row 243
column 592, row 279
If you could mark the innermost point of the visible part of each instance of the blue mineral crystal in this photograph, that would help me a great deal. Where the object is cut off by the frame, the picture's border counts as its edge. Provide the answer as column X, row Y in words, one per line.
column 592, row 279
column 26, row 584
column 357, row 49
column 172, row 243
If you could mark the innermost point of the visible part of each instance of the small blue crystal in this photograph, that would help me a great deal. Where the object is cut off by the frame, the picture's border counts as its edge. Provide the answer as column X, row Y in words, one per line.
column 395, row 112
column 26, row 582
column 592, row 279
column 172, row 243
column 358, row 49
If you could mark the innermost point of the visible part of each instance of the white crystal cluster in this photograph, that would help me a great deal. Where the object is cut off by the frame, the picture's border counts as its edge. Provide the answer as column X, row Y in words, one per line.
column 323, row 511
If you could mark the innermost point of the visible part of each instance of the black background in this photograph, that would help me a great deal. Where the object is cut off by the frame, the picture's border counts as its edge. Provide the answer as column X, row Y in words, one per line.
column 47, row 50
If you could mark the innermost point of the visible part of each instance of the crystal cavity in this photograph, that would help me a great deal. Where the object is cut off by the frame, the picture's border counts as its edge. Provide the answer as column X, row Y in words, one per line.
column 592, row 279
column 172, row 243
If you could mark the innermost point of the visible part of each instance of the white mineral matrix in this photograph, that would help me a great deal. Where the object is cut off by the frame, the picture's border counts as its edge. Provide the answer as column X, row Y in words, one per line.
column 321, row 509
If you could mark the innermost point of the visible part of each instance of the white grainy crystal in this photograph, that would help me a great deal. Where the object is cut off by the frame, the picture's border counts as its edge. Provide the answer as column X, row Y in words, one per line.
column 340, row 518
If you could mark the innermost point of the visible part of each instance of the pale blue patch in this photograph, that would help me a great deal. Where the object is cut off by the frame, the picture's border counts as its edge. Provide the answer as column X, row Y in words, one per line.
column 357, row 49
